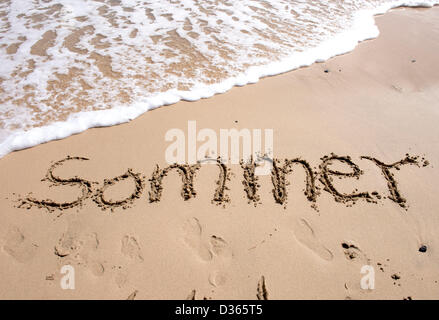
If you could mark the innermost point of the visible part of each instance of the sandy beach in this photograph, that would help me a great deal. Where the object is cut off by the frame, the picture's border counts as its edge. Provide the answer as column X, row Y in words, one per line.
column 362, row 197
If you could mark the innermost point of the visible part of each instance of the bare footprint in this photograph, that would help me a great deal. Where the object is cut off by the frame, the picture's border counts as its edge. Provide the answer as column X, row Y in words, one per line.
column 67, row 245
column 76, row 246
column 217, row 278
column 80, row 249
column 121, row 277
column 305, row 235
column 131, row 248
column 222, row 255
column 220, row 248
column 353, row 253
column 17, row 246
column 217, row 249
column 90, row 242
column 192, row 237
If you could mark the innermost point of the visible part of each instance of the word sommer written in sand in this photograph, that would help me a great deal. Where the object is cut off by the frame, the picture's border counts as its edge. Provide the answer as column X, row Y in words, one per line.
column 280, row 170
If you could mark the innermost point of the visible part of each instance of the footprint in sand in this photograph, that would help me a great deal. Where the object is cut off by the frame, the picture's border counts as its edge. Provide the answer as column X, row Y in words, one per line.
column 305, row 235
column 192, row 237
column 222, row 256
column 76, row 246
column 67, row 245
column 220, row 248
column 80, row 249
column 353, row 253
column 131, row 248
column 217, row 278
column 216, row 250
column 18, row 246
column 121, row 277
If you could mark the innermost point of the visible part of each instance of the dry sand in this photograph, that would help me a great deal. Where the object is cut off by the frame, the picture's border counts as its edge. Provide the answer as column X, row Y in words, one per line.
column 379, row 101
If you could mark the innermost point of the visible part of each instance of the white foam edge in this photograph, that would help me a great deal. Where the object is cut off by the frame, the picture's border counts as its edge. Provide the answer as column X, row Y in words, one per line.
column 363, row 28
